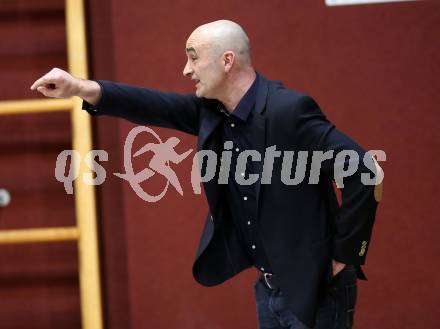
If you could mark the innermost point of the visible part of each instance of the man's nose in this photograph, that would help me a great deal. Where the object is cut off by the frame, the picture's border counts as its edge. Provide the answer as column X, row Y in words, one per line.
column 187, row 71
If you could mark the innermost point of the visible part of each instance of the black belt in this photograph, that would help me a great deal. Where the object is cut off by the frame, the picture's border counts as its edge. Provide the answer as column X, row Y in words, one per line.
column 270, row 281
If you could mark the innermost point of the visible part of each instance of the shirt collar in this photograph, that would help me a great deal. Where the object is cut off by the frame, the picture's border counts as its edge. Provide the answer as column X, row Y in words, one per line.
column 246, row 104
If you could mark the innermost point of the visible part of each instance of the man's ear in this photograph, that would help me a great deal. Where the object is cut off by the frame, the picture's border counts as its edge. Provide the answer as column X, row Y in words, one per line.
column 228, row 60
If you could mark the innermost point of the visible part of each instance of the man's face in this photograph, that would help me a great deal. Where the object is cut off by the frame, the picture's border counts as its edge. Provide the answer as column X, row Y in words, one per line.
column 204, row 67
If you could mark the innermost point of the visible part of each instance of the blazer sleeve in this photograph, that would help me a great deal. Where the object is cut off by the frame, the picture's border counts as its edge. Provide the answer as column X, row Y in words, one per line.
column 355, row 217
column 147, row 107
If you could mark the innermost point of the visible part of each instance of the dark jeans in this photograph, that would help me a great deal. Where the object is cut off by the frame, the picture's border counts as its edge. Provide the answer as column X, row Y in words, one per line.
column 336, row 309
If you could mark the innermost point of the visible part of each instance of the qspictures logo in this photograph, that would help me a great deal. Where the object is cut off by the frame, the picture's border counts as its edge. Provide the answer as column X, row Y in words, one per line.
column 232, row 165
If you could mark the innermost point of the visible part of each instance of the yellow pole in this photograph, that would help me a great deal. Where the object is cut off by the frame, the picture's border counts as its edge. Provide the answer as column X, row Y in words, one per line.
column 32, row 235
column 91, row 308
column 35, row 106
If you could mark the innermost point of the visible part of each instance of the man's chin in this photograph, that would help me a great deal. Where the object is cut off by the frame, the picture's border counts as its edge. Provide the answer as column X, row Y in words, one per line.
column 200, row 93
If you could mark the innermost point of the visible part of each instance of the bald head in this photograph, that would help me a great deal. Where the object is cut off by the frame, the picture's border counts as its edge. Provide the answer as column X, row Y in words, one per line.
column 222, row 36
column 219, row 61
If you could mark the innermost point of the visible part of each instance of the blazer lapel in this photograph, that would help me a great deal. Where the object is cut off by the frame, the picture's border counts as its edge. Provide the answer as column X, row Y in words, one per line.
column 210, row 139
column 259, row 133
column 210, row 121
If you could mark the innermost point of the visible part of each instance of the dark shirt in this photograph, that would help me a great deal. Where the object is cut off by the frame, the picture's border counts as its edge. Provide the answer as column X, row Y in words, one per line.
column 241, row 203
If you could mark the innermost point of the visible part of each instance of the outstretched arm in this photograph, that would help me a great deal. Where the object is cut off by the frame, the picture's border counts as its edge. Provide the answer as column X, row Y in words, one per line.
column 136, row 104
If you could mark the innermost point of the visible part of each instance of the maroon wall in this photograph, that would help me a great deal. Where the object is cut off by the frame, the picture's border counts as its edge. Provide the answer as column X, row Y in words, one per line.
column 373, row 69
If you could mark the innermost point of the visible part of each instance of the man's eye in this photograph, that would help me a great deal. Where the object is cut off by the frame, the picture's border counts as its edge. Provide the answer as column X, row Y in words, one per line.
column 193, row 58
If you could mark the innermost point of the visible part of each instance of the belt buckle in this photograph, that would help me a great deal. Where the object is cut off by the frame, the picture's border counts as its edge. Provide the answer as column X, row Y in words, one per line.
column 265, row 277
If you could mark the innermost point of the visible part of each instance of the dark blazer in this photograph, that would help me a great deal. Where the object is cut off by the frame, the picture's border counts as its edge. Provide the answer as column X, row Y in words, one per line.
column 302, row 226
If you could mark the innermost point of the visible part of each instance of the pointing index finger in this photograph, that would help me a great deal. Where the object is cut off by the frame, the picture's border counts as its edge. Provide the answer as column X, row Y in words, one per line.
column 40, row 82
column 43, row 81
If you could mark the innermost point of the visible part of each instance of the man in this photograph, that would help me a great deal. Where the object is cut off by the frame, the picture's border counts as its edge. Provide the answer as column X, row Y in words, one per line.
column 307, row 248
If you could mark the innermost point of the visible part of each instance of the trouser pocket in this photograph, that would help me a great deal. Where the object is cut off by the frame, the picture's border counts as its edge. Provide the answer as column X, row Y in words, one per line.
column 343, row 291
